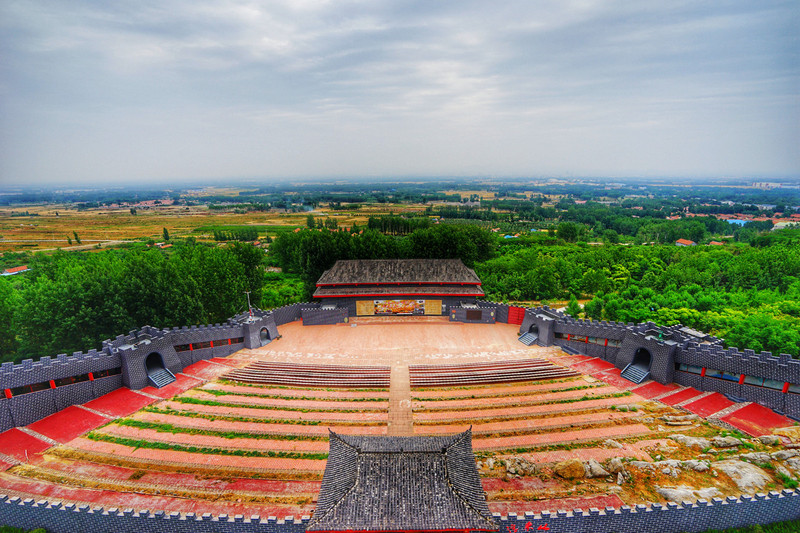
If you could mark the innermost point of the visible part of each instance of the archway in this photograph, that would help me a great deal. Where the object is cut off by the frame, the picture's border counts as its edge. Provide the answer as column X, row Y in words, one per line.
column 642, row 359
column 157, row 373
column 154, row 362
column 263, row 335
column 534, row 329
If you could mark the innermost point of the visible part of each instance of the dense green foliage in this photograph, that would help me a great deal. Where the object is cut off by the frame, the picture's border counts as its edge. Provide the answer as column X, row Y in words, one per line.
column 749, row 296
column 310, row 252
column 71, row 302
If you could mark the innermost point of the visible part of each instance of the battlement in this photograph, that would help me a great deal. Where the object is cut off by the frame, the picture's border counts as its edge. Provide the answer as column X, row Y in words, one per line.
column 672, row 517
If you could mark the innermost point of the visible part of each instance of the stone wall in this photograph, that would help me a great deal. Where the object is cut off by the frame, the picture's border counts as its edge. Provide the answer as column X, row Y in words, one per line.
column 719, row 513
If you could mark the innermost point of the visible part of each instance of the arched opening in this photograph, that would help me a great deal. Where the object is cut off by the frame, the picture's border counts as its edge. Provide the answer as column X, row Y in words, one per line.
column 534, row 329
column 642, row 358
column 264, row 336
column 154, row 362
column 157, row 373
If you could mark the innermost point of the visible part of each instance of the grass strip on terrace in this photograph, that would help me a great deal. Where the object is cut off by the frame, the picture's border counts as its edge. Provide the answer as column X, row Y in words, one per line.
column 226, row 472
column 277, row 421
column 217, row 392
column 170, row 428
column 200, row 401
column 501, row 395
column 523, row 404
column 134, row 443
column 489, row 418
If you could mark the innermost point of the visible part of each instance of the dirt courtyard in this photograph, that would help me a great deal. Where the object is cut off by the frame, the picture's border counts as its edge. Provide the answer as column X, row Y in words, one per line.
column 395, row 341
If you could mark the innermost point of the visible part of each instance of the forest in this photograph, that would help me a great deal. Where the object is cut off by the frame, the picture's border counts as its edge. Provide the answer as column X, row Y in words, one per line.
column 747, row 294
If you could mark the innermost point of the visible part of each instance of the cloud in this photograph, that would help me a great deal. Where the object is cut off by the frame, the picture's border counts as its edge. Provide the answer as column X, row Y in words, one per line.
column 307, row 87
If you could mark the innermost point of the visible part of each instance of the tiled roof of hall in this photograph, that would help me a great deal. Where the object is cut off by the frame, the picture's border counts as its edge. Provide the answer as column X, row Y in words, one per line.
column 410, row 271
column 386, row 290
column 401, row 484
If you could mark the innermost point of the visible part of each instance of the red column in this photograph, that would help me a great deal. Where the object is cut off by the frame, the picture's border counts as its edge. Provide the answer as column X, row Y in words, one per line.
column 8, row 393
column 703, row 373
column 741, row 379
column 786, row 387
column 52, row 384
column 91, row 376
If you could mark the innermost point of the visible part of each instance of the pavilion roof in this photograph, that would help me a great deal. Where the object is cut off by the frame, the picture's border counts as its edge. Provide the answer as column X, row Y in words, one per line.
column 401, row 484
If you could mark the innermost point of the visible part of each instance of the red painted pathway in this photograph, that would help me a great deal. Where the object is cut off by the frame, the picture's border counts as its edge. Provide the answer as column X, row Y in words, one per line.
column 120, row 402
column 654, row 389
column 708, row 405
column 756, row 420
column 20, row 445
column 680, row 396
column 68, row 423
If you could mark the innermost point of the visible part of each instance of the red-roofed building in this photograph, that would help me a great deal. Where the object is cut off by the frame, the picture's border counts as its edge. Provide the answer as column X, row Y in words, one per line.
column 15, row 270
column 685, row 242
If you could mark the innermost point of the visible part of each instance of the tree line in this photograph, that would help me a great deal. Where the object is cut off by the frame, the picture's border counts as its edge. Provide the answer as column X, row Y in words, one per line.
column 71, row 302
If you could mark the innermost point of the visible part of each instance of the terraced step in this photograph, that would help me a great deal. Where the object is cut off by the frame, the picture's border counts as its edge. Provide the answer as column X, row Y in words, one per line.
column 529, row 425
column 564, row 437
column 336, row 376
column 349, row 426
column 541, row 409
column 287, row 403
column 317, row 394
column 528, row 399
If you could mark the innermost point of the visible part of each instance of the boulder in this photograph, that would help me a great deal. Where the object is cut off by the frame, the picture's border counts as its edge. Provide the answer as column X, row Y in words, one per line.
column 615, row 465
column 749, row 478
column 570, row 469
column 684, row 493
column 780, row 469
column 784, row 454
column 725, row 442
column 641, row 465
column 756, row 457
column 694, row 465
column 794, row 464
column 611, row 443
column 692, row 442
column 770, row 440
column 594, row 469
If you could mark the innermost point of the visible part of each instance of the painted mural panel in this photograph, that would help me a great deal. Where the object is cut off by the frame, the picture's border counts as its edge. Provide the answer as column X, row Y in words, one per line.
column 399, row 307
column 433, row 307
column 365, row 307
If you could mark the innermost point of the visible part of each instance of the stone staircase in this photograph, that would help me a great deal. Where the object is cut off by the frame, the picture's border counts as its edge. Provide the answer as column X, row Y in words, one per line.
column 635, row 374
column 160, row 377
column 529, row 339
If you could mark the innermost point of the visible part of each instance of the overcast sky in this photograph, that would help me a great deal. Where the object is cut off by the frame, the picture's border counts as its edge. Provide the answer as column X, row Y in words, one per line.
column 171, row 89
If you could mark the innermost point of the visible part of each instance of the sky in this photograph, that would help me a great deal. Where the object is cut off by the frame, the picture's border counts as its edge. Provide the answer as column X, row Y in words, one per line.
column 153, row 91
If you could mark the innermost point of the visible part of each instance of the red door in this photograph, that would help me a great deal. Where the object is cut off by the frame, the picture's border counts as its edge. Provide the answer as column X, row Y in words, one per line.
column 515, row 315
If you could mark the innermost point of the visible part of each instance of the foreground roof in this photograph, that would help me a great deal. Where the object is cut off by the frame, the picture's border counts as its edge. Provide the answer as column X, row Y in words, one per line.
column 410, row 271
column 401, row 483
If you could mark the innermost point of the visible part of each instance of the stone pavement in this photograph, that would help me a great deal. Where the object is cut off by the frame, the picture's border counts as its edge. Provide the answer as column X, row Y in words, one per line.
column 401, row 420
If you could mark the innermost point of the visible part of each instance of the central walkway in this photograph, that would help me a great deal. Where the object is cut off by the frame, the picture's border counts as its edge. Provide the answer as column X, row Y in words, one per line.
column 401, row 420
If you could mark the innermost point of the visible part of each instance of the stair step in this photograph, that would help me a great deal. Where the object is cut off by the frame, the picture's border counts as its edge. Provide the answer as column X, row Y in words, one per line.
column 160, row 378
column 528, row 339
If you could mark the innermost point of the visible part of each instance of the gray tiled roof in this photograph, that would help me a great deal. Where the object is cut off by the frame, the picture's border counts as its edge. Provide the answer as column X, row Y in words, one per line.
column 351, row 290
column 401, row 483
column 399, row 271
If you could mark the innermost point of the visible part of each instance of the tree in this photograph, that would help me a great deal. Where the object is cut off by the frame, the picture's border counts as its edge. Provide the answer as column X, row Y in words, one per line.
column 568, row 231
column 8, row 334
column 310, row 223
column 573, row 308
column 77, row 239
column 166, row 234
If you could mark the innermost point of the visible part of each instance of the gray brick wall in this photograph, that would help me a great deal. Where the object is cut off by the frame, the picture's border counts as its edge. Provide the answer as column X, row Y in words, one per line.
column 719, row 513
